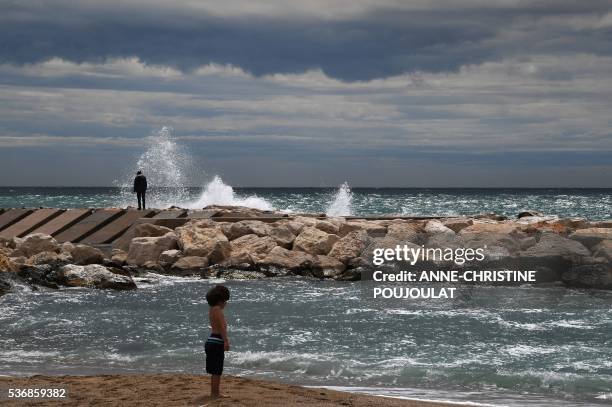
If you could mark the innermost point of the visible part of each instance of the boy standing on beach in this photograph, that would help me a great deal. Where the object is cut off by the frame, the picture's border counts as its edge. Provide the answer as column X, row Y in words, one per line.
column 218, row 342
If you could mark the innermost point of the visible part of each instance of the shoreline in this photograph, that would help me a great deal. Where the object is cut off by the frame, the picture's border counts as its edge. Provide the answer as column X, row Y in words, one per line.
column 191, row 390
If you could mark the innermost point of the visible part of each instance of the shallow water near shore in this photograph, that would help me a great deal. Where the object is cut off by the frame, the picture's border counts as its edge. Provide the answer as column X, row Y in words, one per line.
column 594, row 204
column 495, row 345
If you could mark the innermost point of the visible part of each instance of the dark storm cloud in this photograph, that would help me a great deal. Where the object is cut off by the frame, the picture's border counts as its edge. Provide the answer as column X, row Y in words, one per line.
column 380, row 41
column 312, row 92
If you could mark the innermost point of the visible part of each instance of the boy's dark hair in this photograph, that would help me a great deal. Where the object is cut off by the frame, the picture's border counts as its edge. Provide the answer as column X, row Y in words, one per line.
column 217, row 294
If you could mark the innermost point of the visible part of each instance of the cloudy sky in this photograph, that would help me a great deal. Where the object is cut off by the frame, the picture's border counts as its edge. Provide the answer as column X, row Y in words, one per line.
column 435, row 93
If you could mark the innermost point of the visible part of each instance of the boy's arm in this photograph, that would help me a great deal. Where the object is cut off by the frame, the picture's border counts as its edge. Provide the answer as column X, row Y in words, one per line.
column 220, row 320
column 226, row 342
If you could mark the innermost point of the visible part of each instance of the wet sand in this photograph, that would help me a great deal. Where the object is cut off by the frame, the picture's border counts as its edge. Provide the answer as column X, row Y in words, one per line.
column 187, row 390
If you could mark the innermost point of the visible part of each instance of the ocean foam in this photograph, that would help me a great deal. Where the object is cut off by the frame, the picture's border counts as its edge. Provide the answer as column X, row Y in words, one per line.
column 165, row 164
column 342, row 204
column 216, row 192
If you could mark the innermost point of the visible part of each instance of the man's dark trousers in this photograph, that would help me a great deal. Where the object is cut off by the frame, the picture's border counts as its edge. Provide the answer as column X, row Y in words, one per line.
column 141, row 198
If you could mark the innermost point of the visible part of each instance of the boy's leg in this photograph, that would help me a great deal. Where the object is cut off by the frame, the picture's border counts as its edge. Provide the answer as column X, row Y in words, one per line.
column 139, row 198
column 215, row 382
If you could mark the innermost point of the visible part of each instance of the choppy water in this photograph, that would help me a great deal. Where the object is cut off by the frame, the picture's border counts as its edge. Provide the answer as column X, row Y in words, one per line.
column 589, row 203
column 497, row 345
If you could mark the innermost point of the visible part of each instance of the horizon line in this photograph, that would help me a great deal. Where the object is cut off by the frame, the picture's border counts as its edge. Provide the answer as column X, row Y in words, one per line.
column 320, row 187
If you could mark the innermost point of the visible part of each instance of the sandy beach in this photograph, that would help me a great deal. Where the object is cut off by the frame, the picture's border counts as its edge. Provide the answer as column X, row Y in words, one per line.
column 188, row 390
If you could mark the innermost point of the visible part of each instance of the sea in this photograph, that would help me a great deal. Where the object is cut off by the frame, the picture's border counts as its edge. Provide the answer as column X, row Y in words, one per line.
column 593, row 204
column 490, row 345
column 499, row 346
column 538, row 345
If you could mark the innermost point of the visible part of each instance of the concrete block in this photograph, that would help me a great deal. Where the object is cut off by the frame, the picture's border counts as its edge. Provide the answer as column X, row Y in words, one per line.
column 117, row 227
column 89, row 225
column 63, row 221
column 13, row 216
column 30, row 222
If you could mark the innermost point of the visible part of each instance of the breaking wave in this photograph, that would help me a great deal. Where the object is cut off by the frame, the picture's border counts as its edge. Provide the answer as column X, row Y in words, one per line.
column 216, row 192
column 342, row 204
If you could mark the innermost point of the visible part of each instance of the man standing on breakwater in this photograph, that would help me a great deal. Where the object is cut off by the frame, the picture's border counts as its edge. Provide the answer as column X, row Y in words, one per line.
column 140, row 187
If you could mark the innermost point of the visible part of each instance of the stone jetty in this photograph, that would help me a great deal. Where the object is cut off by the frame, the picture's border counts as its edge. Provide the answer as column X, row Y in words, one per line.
column 105, row 248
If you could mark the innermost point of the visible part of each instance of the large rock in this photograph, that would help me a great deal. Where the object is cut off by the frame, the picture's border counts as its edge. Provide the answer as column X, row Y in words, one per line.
column 170, row 256
column 328, row 226
column 457, row 224
column 288, row 259
column 67, row 247
column 231, row 274
column 553, row 255
column 434, row 227
column 553, row 245
column 148, row 249
column 139, row 230
column 6, row 250
column 246, row 227
column 314, row 241
column 490, row 216
column 34, row 244
column 283, row 235
column 83, row 255
column 591, row 236
column 490, row 227
column 405, row 231
column 529, row 213
column 94, row 275
column 372, row 228
column 253, row 245
column 493, row 236
column 490, row 241
column 209, row 242
column 7, row 264
column 350, row 246
column 226, row 228
column 445, row 240
column 294, row 226
column 5, row 241
column 603, row 250
column 305, row 221
column 551, row 224
column 328, row 267
column 13, row 243
column 118, row 257
column 189, row 264
column 602, row 224
column 227, row 211
column 527, row 242
column 39, row 274
column 595, row 275
column 49, row 258
column 572, row 223
column 242, row 261
column 536, row 221
column 575, row 223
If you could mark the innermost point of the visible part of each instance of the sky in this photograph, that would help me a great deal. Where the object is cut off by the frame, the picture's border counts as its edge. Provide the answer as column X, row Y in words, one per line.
column 424, row 93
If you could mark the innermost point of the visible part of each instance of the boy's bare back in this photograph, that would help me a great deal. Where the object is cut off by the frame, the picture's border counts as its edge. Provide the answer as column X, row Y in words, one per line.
column 217, row 320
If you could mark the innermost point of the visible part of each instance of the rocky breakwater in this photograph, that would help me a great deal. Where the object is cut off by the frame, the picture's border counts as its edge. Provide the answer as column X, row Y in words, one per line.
column 575, row 251
column 39, row 260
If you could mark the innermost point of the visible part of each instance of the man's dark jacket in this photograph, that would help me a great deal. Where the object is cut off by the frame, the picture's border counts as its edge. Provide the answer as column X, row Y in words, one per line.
column 140, row 183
